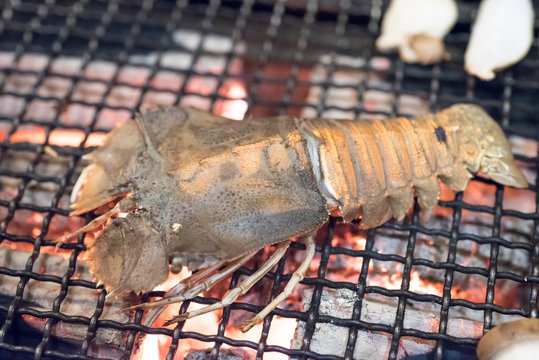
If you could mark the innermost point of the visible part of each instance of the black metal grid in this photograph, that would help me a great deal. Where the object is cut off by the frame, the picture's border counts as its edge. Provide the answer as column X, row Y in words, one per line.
column 294, row 33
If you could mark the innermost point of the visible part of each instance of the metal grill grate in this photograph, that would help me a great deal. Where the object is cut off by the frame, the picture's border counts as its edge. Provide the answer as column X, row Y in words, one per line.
column 280, row 45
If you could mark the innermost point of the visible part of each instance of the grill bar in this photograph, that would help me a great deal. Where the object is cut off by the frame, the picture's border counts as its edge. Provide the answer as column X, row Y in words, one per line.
column 274, row 50
column 448, row 280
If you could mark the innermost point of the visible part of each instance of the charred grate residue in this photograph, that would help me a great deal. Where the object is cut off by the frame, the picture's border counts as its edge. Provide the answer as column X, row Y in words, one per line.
column 71, row 70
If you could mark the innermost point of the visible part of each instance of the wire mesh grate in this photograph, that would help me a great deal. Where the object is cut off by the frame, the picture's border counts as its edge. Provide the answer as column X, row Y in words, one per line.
column 71, row 70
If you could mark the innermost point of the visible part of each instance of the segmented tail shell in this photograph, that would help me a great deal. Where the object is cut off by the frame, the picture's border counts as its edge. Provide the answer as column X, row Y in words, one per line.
column 374, row 168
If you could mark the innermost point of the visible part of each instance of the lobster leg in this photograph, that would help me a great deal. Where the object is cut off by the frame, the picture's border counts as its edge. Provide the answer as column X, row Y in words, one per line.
column 239, row 290
column 297, row 276
column 177, row 290
column 123, row 205
column 191, row 287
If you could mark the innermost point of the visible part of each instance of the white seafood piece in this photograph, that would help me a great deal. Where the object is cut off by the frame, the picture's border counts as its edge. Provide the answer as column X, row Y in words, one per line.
column 512, row 340
column 501, row 36
column 417, row 29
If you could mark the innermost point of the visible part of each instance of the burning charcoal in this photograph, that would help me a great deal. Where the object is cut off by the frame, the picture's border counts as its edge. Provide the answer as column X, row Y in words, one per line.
column 11, row 105
column 80, row 301
column 91, row 89
column 17, row 161
column 40, row 193
column 342, row 91
column 345, row 96
column 205, row 355
column 332, row 339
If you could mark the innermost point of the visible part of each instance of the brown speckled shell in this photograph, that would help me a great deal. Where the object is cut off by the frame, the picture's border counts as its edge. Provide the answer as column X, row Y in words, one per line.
column 210, row 189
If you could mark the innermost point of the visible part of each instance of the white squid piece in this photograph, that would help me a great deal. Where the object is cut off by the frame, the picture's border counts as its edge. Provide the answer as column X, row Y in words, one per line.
column 501, row 36
column 511, row 340
column 417, row 28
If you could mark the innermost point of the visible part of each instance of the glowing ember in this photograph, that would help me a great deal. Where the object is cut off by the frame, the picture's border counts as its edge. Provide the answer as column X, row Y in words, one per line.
column 157, row 346
column 64, row 137
column 236, row 108
column 418, row 285
column 151, row 347
column 33, row 135
column 38, row 219
column 281, row 333
column 58, row 137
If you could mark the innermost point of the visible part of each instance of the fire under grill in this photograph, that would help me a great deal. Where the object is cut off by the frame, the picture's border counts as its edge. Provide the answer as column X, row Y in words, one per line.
column 421, row 288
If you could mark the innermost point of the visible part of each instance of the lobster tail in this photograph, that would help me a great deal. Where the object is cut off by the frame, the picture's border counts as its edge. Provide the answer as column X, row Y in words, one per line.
column 374, row 168
column 481, row 144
